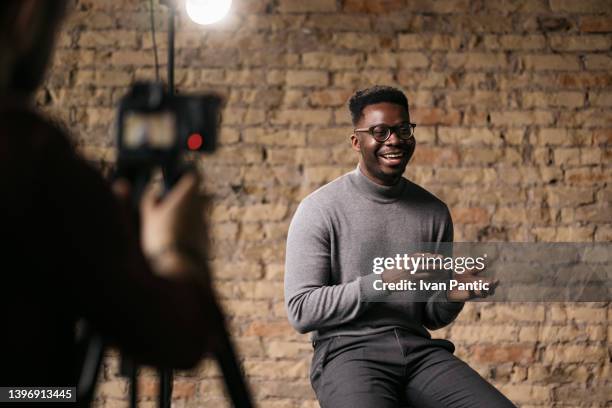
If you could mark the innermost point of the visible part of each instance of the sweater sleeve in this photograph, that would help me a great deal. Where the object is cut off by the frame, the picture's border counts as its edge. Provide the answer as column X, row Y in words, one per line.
column 439, row 311
column 312, row 300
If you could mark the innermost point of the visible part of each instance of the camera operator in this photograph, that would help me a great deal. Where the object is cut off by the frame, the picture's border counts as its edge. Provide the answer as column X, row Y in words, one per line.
column 68, row 250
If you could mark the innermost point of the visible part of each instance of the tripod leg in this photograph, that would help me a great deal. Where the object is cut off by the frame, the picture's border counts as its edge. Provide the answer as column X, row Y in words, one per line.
column 165, row 388
column 133, row 388
column 129, row 369
column 92, row 361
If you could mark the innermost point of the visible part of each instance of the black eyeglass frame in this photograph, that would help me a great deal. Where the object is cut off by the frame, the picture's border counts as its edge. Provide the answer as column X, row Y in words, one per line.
column 390, row 129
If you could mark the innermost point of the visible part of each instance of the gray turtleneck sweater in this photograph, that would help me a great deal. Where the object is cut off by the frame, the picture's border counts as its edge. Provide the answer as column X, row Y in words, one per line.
column 334, row 236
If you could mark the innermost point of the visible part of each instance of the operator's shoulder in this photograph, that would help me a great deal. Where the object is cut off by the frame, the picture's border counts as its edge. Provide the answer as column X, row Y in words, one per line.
column 33, row 131
column 327, row 195
column 416, row 192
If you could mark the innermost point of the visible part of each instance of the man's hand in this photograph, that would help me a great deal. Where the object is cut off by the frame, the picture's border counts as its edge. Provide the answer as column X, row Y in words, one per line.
column 470, row 276
column 396, row 275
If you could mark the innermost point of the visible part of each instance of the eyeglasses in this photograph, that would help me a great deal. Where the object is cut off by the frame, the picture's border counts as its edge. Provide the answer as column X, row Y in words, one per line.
column 382, row 132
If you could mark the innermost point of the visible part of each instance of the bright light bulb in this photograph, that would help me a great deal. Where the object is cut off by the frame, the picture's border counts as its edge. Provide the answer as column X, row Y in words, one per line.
column 207, row 11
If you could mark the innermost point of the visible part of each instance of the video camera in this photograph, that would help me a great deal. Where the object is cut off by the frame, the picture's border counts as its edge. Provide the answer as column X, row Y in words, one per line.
column 154, row 128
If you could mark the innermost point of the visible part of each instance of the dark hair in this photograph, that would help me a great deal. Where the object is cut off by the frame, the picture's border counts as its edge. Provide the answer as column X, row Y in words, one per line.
column 375, row 94
column 28, row 71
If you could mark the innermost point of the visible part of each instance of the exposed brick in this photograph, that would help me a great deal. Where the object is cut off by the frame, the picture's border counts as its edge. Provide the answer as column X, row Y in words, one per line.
column 480, row 156
column 574, row 353
column 586, row 314
column 586, row 118
column 580, row 43
column 362, row 79
column 583, row 6
column 520, row 353
column 322, row 174
column 521, row 118
column 384, row 59
column 518, row 42
column 307, row 78
column 303, row 116
column 338, row 22
column 526, row 393
column 435, row 116
column 274, row 137
column 598, row 61
column 237, row 270
column 442, row 6
column 102, row 39
column 135, row 58
column 329, row 97
column 519, row 6
column 514, row 313
column 444, row 157
column 332, row 60
column 475, row 61
column 468, row 136
column 429, row 41
column 551, row 62
column 481, row 23
column 579, row 395
column 243, row 77
column 316, row 6
column 553, row 99
column 357, row 41
column 412, row 60
column 276, row 329
column 482, row 99
column 472, row 334
column 562, row 136
column 596, row 24
column 470, row 215
column 372, row 6
column 601, row 99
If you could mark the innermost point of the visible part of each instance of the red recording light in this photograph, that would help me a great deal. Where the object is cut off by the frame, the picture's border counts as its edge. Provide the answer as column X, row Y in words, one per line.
column 194, row 141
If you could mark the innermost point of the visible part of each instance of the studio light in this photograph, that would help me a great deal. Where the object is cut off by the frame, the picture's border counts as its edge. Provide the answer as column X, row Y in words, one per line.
column 207, row 11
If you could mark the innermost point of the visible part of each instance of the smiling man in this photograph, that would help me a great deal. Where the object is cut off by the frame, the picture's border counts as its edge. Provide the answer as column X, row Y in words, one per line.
column 370, row 352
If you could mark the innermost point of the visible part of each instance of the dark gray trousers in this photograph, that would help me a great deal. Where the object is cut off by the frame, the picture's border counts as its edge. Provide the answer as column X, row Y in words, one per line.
column 397, row 369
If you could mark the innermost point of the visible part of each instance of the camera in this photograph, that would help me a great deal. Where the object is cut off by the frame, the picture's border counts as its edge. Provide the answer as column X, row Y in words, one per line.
column 155, row 128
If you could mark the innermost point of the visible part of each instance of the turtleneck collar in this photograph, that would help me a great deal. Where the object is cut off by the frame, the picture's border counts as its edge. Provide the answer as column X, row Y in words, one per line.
column 375, row 191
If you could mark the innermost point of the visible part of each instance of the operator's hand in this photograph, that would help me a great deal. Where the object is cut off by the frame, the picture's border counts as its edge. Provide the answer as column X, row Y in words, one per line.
column 173, row 228
column 174, row 239
column 471, row 275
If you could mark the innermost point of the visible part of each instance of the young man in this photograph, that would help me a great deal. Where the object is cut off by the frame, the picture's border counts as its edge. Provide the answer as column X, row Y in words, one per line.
column 370, row 353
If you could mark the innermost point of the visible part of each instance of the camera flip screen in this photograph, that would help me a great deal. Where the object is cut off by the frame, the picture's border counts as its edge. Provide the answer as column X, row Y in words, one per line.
column 152, row 130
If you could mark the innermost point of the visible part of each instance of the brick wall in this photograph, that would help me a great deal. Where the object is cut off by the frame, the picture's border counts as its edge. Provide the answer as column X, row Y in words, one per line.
column 513, row 105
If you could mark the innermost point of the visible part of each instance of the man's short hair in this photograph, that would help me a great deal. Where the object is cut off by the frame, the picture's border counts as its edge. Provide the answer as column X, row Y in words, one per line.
column 372, row 95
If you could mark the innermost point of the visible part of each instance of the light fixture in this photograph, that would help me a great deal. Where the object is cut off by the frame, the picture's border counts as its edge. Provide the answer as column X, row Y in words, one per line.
column 207, row 11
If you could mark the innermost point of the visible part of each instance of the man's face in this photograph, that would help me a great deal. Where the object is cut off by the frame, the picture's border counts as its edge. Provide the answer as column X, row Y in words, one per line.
column 385, row 162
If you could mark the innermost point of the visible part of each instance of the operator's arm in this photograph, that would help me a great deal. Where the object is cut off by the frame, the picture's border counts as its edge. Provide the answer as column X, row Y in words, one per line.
column 439, row 311
column 105, row 276
column 313, row 301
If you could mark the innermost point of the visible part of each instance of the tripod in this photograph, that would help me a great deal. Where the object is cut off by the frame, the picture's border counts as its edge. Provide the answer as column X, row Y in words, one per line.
column 92, row 352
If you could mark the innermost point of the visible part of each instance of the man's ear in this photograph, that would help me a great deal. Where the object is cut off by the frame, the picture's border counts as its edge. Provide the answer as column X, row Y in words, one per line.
column 355, row 143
